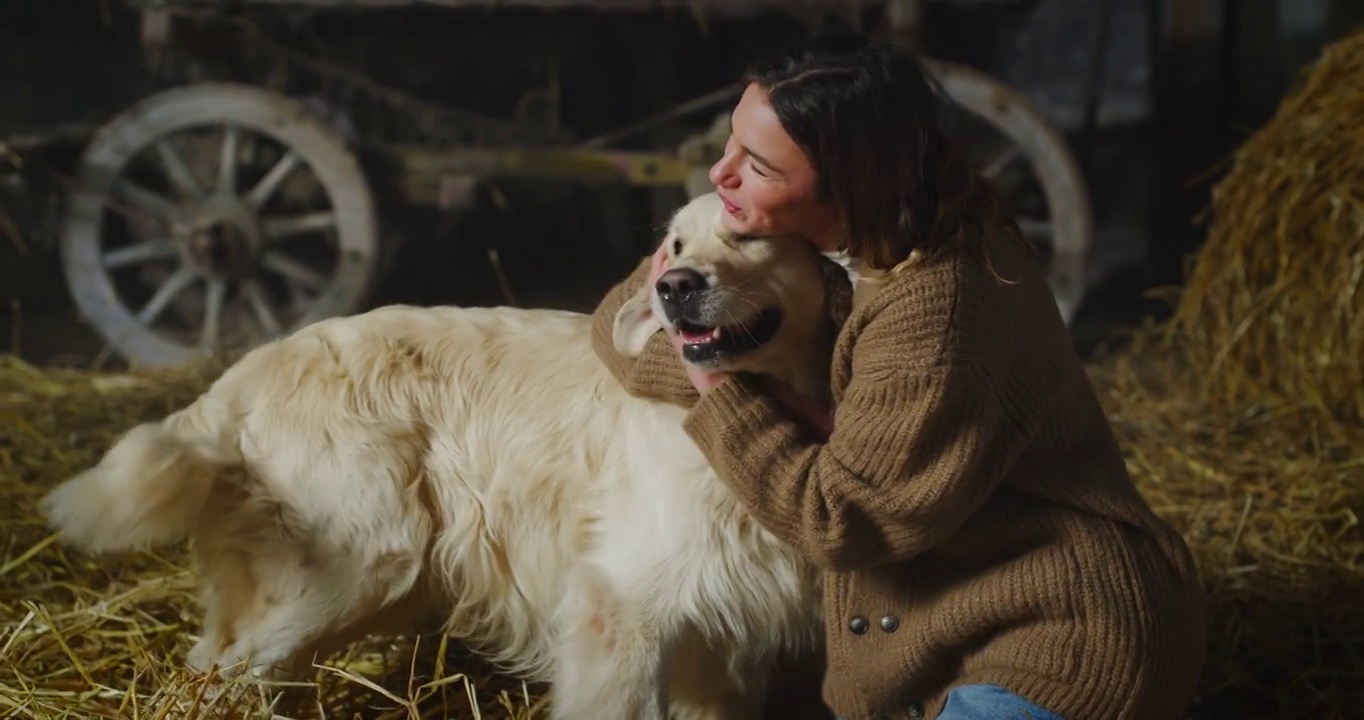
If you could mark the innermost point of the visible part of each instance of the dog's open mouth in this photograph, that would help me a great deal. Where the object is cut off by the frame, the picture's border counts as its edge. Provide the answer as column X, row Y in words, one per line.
column 703, row 343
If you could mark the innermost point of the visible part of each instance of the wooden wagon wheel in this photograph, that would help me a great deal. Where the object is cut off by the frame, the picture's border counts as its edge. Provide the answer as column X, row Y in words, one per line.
column 1004, row 134
column 210, row 218
column 1059, row 217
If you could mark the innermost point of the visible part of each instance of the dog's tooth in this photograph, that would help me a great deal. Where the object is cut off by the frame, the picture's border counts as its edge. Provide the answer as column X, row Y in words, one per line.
column 715, row 334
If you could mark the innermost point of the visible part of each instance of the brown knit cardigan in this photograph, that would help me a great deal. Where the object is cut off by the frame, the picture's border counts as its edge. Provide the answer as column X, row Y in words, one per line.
column 971, row 510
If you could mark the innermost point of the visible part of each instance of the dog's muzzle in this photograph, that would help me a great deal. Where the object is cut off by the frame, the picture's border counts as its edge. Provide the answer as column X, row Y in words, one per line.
column 709, row 330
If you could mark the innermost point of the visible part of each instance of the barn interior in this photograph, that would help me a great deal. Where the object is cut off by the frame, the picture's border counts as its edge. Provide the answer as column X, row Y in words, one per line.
column 1190, row 168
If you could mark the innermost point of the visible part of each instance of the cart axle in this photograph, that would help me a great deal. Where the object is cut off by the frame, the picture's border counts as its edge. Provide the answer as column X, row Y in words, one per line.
column 423, row 170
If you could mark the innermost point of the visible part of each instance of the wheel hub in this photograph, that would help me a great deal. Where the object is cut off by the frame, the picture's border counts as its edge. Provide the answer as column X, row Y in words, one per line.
column 224, row 239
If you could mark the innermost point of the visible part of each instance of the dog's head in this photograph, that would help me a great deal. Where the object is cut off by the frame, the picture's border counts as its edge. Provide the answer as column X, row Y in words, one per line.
column 739, row 303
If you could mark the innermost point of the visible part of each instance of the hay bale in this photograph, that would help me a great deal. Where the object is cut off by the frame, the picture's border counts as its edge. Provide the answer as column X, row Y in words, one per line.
column 1268, row 497
column 107, row 638
column 1272, row 309
column 1243, row 420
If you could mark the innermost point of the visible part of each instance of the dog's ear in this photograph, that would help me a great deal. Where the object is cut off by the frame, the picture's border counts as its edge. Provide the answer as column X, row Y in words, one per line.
column 635, row 324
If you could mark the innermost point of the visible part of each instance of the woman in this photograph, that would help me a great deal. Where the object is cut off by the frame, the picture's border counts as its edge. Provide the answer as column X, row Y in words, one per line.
column 985, row 553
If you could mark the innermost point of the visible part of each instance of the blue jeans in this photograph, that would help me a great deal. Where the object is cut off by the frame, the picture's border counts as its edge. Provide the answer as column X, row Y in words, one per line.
column 991, row 702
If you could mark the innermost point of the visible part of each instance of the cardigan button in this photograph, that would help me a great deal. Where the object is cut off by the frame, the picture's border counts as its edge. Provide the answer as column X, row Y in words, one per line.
column 889, row 623
column 858, row 624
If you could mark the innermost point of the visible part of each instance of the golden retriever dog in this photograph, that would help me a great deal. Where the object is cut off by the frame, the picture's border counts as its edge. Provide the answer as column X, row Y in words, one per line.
column 483, row 465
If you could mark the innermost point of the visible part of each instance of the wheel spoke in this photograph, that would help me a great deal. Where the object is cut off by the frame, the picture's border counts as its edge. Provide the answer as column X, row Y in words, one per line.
column 276, row 228
column 1036, row 229
column 180, row 174
column 999, row 162
column 255, row 297
column 267, row 185
column 158, row 206
column 294, row 270
column 227, row 161
column 213, row 311
column 139, row 253
column 174, row 285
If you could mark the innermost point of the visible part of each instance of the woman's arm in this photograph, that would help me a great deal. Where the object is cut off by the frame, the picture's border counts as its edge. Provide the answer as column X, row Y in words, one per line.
column 658, row 371
column 911, row 455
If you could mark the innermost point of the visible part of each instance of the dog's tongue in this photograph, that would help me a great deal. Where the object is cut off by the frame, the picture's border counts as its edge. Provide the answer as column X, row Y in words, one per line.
column 700, row 337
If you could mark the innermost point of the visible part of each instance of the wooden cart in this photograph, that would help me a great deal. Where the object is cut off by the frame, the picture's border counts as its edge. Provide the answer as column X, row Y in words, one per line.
column 189, row 226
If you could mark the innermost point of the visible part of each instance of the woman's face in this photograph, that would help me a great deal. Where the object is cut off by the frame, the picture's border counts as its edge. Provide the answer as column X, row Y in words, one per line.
column 766, row 181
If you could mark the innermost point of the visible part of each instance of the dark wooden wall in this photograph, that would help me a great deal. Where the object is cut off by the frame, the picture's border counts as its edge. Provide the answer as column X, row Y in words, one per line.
column 1221, row 69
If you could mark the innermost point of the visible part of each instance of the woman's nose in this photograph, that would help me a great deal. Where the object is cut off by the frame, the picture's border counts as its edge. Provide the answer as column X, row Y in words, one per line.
column 722, row 172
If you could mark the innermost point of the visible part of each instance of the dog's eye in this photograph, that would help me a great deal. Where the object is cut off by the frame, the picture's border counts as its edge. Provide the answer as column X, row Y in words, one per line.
column 677, row 247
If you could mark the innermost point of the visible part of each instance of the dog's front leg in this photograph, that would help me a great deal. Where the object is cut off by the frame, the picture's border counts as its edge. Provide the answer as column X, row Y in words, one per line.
column 710, row 683
column 611, row 662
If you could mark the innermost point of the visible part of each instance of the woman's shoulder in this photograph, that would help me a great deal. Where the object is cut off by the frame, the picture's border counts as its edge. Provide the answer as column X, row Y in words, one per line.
column 962, row 306
column 904, row 319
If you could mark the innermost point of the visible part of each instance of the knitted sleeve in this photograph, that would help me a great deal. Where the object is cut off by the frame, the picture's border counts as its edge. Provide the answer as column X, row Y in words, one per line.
column 657, row 373
column 911, row 456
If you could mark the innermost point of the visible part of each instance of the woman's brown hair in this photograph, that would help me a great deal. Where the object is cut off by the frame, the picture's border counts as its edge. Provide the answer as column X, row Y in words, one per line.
column 866, row 116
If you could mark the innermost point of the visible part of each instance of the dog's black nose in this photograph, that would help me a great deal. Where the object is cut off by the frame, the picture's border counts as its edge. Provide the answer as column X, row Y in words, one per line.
column 676, row 286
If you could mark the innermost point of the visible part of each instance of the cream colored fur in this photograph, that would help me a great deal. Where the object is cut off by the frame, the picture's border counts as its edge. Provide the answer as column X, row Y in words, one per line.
column 482, row 464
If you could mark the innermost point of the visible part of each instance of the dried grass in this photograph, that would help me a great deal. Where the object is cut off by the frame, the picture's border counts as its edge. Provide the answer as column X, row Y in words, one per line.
column 1273, row 306
column 1244, row 416
column 1267, row 496
column 86, row 638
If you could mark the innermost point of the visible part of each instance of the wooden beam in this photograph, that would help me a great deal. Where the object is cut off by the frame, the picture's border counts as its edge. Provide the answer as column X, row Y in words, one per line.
column 1188, row 128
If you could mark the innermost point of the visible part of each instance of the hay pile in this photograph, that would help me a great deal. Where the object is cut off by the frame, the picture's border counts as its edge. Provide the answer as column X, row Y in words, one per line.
column 1273, row 306
column 1243, row 418
column 1266, row 497
column 107, row 639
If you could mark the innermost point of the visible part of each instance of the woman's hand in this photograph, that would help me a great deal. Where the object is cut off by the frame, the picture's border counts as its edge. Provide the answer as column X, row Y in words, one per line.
column 702, row 380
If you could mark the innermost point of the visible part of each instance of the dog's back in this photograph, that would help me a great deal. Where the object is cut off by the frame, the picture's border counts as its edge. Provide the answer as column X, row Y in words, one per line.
column 467, row 445
column 498, row 424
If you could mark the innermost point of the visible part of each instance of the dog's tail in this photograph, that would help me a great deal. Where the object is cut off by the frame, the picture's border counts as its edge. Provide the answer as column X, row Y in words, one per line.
column 151, row 487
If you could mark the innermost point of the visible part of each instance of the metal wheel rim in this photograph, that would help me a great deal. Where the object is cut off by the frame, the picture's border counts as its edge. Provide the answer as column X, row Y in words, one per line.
column 315, row 147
